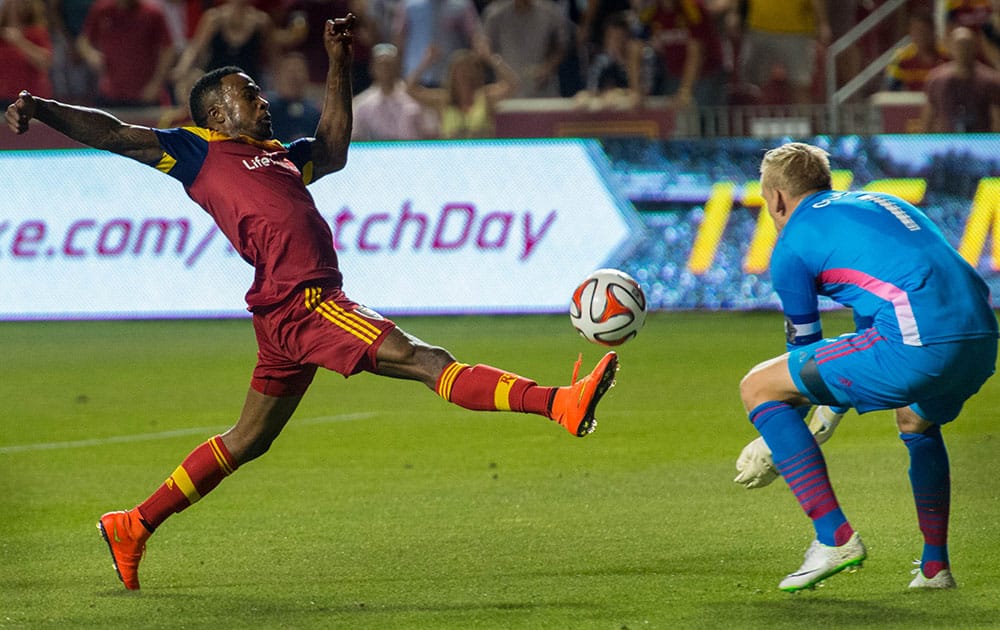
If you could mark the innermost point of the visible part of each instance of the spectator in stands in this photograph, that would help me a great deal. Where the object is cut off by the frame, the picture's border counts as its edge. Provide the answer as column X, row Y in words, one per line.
column 842, row 16
column 991, row 36
column 235, row 33
column 466, row 103
column 617, row 76
column 590, row 30
column 570, row 69
column 382, row 13
column 312, row 14
column 690, row 65
column 294, row 114
column 972, row 14
column 127, row 44
column 963, row 95
column 982, row 17
column 447, row 25
column 25, row 48
column 71, row 77
column 781, row 37
column 530, row 35
column 386, row 111
column 910, row 64
column 179, row 114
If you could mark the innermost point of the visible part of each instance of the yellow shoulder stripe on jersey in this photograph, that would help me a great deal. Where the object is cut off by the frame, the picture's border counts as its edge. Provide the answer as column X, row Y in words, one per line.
column 206, row 134
column 307, row 172
column 167, row 163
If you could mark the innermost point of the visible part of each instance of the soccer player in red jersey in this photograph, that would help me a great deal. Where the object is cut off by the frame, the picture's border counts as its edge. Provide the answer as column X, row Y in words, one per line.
column 255, row 189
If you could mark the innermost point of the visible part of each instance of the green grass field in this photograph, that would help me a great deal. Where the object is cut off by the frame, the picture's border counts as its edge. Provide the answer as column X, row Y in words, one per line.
column 380, row 506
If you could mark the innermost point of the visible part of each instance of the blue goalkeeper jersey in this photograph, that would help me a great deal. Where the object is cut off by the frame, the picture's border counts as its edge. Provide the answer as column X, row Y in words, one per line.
column 882, row 257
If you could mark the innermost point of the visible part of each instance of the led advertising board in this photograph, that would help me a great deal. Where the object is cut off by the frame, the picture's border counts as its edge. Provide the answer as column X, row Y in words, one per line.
column 467, row 227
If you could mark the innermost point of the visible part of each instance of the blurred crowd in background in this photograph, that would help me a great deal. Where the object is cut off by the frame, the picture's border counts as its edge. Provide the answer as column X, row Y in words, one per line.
column 439, row 68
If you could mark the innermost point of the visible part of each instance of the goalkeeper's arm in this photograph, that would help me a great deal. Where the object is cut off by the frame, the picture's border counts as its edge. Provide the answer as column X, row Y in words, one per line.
column 755, row 465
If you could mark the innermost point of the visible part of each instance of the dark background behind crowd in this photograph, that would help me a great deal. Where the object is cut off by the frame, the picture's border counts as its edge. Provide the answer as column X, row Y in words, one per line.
column 439, row 68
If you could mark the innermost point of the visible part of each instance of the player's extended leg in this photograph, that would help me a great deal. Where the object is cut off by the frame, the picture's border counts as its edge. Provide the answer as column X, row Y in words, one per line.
column 771, row 397
column 930, row 479
column 262, row 419
column 486, row 388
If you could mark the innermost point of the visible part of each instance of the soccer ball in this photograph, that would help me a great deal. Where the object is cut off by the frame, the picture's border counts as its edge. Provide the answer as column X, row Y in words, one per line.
column 608, row 307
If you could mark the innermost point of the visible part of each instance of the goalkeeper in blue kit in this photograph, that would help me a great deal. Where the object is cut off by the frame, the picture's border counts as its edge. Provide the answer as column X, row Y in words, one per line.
column 925, row 342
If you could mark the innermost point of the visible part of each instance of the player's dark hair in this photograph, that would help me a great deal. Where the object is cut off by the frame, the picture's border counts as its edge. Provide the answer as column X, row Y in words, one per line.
column 207, row 90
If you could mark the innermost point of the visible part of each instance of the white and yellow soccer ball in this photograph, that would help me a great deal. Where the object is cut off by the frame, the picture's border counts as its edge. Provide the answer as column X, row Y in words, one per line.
column 608, row 307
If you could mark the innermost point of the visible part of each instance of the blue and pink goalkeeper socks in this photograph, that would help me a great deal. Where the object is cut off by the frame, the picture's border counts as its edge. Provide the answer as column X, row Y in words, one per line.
column 801, row 463
column 931, row 480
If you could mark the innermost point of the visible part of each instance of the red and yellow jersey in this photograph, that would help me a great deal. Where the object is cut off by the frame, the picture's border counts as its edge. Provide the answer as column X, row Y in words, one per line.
column 669, row 29
column 908, row 69
column 256, row 192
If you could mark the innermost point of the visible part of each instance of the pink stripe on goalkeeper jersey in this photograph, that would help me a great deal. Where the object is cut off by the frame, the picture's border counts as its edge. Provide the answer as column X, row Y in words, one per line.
column 848, row 346
column 889, row 292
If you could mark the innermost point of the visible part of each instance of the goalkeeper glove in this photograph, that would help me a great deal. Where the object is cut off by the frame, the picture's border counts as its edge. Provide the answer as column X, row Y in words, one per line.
column 755, row 466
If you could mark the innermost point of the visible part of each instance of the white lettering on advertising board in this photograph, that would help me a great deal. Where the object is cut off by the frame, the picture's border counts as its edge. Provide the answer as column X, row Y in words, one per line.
column 420, row 228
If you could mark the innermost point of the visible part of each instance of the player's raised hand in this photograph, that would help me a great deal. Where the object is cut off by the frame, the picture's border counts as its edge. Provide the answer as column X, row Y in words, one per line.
column 20, row 112
column 338, row 36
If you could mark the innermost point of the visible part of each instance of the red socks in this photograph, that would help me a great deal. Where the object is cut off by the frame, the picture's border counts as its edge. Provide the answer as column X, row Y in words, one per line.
column 478, row 387
column 197, row 475
column 485, row 388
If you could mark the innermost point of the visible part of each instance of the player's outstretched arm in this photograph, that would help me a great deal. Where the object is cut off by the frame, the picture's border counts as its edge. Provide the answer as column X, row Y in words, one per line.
column 333, row 134
column 93, row 127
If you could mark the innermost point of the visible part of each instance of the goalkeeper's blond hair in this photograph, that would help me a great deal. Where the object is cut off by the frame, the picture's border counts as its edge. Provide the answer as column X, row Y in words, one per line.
column 796, row 168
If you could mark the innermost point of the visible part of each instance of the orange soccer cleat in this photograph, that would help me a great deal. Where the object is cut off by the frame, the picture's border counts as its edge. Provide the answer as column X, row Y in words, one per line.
column 573, row 406
column 126, row 538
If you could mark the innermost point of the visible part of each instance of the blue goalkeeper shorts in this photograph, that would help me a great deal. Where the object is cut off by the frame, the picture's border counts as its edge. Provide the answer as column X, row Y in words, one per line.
column 865, row 371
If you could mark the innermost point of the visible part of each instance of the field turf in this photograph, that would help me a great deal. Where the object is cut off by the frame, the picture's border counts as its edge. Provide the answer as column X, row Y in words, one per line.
column 381, row 506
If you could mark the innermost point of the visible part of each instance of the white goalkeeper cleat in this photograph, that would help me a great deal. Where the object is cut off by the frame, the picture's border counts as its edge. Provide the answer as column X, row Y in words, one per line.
column 822, row 561
column 943, row 579
column 755, row 466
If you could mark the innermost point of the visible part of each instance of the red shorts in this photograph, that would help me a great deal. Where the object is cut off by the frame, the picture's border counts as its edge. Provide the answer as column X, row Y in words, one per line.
column 314, row 327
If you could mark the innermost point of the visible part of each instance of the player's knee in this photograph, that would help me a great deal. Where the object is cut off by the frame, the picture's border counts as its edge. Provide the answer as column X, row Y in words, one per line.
column 908, row 421
column 758, row 387
column 750, row 390
column 247, row 446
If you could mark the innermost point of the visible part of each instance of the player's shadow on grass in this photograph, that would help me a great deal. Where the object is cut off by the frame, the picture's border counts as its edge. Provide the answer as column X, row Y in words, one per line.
column 503, row 607
column 825, row 611
column 251, row 610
